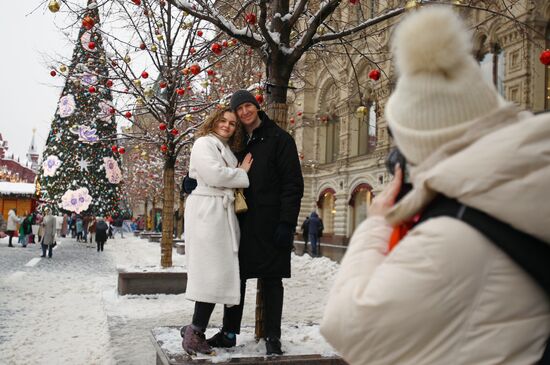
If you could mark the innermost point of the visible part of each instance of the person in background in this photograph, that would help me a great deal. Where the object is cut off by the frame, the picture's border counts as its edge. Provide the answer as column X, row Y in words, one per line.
column 3, row 226
column 117, row 226
column 445, row 293
column 315, row 226
column 25, row 229
column 79, row 227
column 92, row 229
column 101, row 229
column 13, row 221
column 65, row 225
column 49, row 226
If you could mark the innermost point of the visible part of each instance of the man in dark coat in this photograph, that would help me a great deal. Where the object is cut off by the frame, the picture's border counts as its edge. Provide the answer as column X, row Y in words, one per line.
column 315, row 227
column 267, row 228
column 101, row 229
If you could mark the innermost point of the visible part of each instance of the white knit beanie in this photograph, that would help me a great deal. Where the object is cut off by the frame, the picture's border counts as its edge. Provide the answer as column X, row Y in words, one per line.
column 440, row 89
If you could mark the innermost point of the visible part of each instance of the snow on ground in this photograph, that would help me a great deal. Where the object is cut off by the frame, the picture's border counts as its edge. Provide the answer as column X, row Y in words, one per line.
column 66, row 310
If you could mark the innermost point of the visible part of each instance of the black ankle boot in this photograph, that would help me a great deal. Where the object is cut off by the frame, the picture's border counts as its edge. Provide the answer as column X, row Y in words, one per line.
column 221, row 339
column 273, row 346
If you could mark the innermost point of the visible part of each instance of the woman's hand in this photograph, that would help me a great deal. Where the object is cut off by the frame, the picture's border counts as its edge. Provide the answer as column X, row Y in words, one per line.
column 246, row 163
column 382, row 203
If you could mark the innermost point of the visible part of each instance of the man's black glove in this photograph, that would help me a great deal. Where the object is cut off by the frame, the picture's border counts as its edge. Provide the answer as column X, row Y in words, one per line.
column 284, row 235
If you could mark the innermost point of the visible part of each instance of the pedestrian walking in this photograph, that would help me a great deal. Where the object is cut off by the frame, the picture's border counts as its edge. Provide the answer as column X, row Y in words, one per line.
column 48, row 239
column 91, row 229
column 267, row 228
column 3, row 226
column 11, row 227
column 25, row 229
column 445, row 293
column 79, row 227
column 315, row 227
column 211, row 226
column 101, row 229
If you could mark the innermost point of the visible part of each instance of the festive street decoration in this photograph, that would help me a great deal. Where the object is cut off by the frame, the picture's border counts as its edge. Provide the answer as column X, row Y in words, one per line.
column 50, row 165
column 545, row 57
column 76, row 200
column 73, row 176
column 374, row 75
column 54, row 6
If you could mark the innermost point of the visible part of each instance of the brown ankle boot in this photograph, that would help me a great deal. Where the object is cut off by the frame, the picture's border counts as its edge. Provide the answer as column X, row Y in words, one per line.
column 194, row 342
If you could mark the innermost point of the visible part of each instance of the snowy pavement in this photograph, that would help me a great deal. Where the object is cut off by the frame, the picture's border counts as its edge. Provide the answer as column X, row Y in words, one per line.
column 66, row 310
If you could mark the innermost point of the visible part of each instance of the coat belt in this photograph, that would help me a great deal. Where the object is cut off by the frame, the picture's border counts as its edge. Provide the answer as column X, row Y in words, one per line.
column 228, row 197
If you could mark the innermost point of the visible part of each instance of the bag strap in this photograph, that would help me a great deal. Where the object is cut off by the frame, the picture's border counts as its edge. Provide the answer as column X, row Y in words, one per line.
column 530, row 253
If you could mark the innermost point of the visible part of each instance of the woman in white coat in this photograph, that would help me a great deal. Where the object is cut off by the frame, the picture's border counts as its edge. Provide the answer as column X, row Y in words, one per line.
column 211, row 228
column 13, row 221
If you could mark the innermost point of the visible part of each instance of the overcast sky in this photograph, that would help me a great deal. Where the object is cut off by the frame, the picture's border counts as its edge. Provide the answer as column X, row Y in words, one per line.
column 28, row 94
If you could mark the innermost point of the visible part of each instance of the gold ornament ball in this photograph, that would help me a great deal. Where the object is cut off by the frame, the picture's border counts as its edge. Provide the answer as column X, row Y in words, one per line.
column 160, row 37
column 54, row 6
column 137, row 83
column 154, row 48
column 149, row 92
column 63, row 68
column 127, row 59
column 188, row 117
column 362, row 111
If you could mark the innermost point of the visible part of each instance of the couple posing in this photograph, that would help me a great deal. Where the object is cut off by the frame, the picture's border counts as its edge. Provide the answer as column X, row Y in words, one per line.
column 224, row 250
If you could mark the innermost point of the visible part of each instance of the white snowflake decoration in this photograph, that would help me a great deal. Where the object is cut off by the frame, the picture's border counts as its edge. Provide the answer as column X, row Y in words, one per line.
column 50, row 165
column 76, row 200
column 85, row 134
column 67, row 106
column 114, row 175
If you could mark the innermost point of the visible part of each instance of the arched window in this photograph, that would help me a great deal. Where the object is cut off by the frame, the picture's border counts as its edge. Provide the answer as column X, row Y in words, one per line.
column 359, row 201
column 368, row 126
column 331, row 124
column 492, row 67
column 327, row 210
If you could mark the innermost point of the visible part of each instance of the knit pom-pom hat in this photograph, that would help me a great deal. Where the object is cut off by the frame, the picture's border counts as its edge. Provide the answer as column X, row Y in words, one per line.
column 440, row 89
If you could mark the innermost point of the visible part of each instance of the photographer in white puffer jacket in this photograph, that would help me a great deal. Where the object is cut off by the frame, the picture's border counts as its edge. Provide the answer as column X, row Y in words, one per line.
column 446, row 294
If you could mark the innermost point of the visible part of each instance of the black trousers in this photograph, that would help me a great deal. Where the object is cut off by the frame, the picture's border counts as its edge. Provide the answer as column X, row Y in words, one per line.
column 10, row 233
column 201, row 315
column 273, row 293
column 100, row 246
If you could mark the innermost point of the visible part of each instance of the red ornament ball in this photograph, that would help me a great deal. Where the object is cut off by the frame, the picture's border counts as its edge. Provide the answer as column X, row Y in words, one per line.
column 137, row 2
column 545, row 57
column 259, row 98
column 250, row 18
column 53, row 73
column 299, row 114
column 114, row 148
column 121, row 150
column 195, row 69
column 144, row 74
column 292, row 120
column 142, row 46
column 353, row 2
column 163, row 84
column 225, row 44
column 162, row 126
column 91, row 45
column 109, row 83
column 180, row 91
column 192, row 50
column 88, row 22
column 210, row 72
column 174, row 132
column 374, row 75
column 92, row 89
column 216, row 48
column 199, row 33
column 112, row 110
column 164, row 148
column 128, row 115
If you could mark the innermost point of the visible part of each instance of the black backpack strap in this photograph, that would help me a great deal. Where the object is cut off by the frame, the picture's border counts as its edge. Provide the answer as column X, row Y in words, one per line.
column 530, row 253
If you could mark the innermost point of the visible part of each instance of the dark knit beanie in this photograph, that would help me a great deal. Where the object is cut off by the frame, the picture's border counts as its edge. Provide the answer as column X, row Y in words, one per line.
column 242, row 96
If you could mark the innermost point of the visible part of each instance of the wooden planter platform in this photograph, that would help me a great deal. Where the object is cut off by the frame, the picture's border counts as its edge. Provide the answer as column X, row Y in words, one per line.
column 169, row 353
column 151, row 282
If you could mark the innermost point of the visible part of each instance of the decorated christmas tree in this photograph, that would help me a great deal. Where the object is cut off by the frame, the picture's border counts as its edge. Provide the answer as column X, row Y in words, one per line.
column 80, row 170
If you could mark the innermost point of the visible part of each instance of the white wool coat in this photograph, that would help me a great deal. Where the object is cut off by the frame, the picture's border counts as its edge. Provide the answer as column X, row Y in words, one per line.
column 446, row 294
column 211, row 228
column 13, row 221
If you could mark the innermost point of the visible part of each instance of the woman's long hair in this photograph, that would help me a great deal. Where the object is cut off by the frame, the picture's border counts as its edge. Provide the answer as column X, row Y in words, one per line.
column 235, row 141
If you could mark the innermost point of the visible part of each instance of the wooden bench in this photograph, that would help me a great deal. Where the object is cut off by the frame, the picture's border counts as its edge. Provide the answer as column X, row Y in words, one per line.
column 167, row 343
column 138, row 281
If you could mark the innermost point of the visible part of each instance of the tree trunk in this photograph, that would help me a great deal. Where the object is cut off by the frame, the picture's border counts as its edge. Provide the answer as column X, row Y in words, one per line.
column 146, row 215
column 278, row 113
column 167, row 214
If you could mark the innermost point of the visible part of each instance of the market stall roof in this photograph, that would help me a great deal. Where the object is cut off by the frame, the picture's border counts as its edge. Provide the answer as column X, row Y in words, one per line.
column 9, row 188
